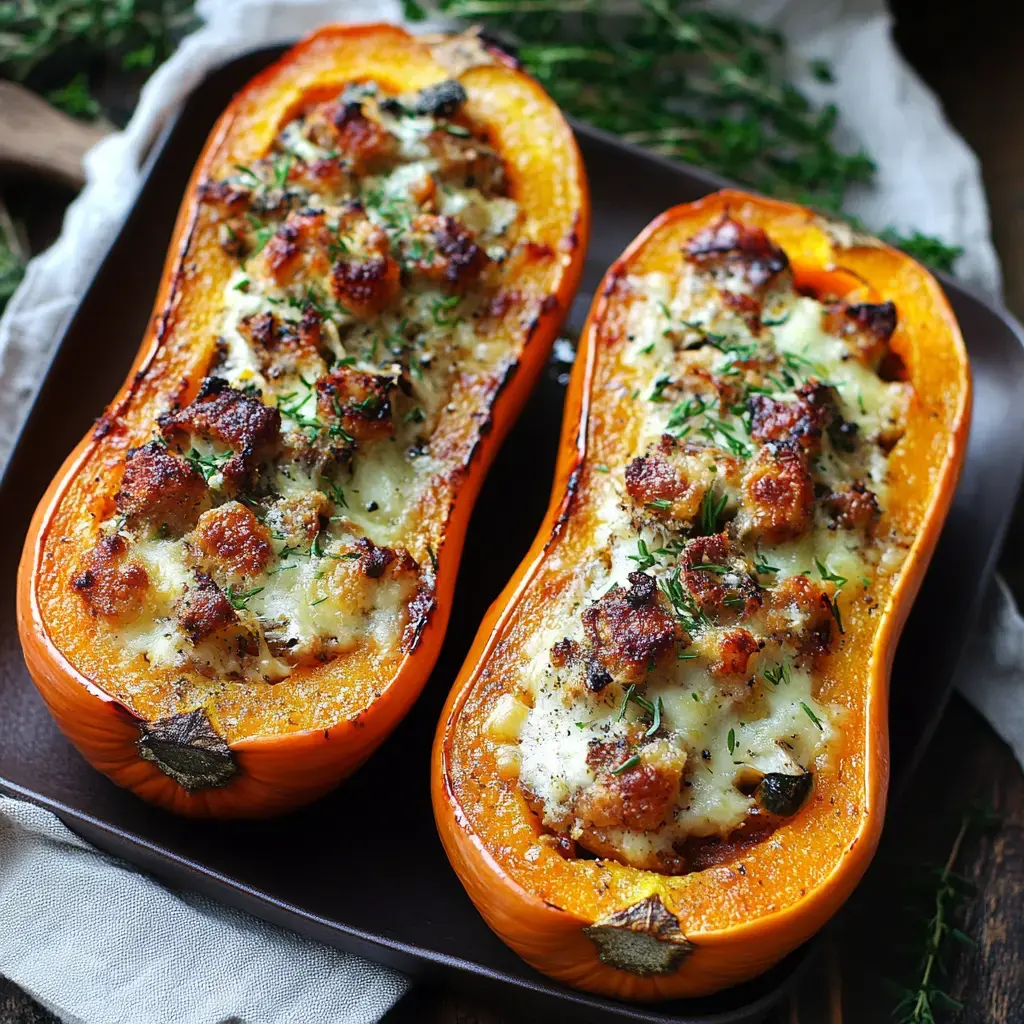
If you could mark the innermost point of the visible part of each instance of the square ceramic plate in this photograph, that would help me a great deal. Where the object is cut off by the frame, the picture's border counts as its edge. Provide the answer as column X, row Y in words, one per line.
column 397, row 900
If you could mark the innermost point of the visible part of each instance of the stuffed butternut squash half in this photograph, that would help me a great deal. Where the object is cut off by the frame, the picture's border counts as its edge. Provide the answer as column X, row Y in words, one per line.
column 239, row 581
column 664, row 764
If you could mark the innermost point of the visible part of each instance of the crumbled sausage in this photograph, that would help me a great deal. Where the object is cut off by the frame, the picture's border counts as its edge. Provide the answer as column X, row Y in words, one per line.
column 327, row 178
column 733, row 650
column 798, row 610
column 565, row 652
column 374, row 560
column 357, row 403
column 366, row 287
column 628, row 630
column 342, row 126
column 640, row 797
column 443, row 250
column 716, row 584
column 203, row 609
column 297, row 519
column 854, row 508
column 467, row 162
column 669, row 483
column 282, row 346
column 299, row 247
column 729, row 247
column 161, row 488
column 778, row 497
column 239, row 421
column 111, row 585
column 225, row 196
column 746, row 306
column 866, row 327
column 231, row 539
column 802, row 420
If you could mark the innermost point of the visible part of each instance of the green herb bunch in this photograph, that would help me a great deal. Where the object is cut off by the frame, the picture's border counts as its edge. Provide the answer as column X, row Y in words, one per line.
column 59, row 46
column 688, row 83
column 924, row 1000
column 72, row 52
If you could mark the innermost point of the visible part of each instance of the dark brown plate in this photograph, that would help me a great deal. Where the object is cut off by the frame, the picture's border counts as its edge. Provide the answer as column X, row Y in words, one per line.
column 338, row 871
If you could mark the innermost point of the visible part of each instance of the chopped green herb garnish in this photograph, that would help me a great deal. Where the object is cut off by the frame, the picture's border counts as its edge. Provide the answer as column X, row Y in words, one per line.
column 684, row 411
column 656, row 723
column 812, row 716
column 208, row 465
column 643, row 558
column 833, row 606
column 711, row 510
column 630, row 762
column 334, row 492
column 249, row 174
column 239, row 599
column 625, row 701
column 686, row 610
column 442, row 306
column 659, row 386
column 828, row 575
column 281, row 171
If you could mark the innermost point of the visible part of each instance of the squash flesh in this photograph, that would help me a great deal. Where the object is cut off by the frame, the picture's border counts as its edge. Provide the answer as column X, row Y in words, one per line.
column 760, row 898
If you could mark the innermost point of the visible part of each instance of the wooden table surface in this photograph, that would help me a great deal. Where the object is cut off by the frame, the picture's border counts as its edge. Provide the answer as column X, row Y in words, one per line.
column 970, row 54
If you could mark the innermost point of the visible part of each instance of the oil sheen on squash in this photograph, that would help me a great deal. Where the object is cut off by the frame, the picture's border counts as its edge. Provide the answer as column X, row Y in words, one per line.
column 672, row 696
column 273, row 520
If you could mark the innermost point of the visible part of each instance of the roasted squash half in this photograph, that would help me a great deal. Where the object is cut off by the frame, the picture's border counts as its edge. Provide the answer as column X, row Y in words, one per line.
column 664, row 764
column 239, row 581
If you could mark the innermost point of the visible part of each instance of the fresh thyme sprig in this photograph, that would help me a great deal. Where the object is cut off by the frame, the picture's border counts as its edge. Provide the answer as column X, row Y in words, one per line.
column 46, row 43
column 688, row 83
column 919, row 1003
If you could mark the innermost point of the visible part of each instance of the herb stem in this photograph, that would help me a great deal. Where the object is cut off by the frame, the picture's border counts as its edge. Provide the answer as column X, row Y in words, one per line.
column 922, row 1009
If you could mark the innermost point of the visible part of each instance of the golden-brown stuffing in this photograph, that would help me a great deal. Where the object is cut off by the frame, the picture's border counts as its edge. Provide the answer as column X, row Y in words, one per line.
column 111, row 584
column 161, row 488
column 628, row 630
column 778, row 497
column 232, row 540
column 237, row 420
column 357, row 403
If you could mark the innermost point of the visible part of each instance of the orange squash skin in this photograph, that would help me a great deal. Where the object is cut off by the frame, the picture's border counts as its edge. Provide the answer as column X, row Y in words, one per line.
column 283, row 768
column 746, row 913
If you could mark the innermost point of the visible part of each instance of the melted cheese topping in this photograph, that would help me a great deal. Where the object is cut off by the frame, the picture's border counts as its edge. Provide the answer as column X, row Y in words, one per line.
column 369, row 242
column 662, row 694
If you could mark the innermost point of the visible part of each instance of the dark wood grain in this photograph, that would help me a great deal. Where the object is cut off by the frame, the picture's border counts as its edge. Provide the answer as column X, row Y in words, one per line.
column 17, row 1008
column 991, row 980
